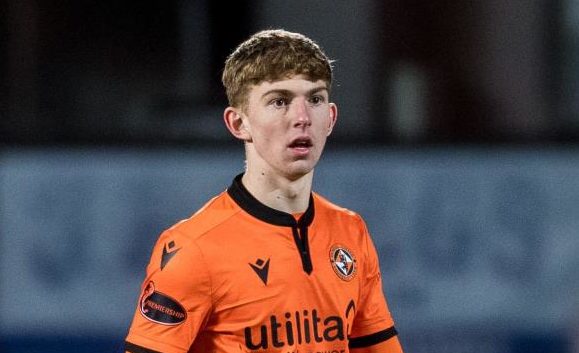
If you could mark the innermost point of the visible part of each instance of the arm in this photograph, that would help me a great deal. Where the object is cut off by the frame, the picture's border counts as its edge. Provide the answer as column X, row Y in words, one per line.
column 175, row 299
column 373, row 330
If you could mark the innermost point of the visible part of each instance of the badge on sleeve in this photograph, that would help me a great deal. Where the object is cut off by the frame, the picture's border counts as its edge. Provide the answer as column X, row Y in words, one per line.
column 160, row 308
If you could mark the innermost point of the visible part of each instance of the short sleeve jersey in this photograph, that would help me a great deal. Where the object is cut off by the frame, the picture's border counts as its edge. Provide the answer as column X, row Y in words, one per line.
column 239, row 276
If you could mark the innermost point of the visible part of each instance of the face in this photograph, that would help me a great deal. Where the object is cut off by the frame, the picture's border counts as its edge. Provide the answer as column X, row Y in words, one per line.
column 285, row 126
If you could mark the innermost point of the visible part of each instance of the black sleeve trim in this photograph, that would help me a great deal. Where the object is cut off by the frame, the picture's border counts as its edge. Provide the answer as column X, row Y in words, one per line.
column 370, row 340
column 133, row 348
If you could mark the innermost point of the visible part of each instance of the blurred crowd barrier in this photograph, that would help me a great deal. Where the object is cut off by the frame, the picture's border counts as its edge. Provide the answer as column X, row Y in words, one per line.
column 478, row 247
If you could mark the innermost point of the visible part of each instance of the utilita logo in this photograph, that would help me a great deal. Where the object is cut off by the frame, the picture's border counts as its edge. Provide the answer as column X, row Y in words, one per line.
column 301, row 327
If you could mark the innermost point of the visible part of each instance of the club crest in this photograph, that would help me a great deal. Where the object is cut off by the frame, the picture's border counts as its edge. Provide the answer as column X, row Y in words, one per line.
column 343, row 262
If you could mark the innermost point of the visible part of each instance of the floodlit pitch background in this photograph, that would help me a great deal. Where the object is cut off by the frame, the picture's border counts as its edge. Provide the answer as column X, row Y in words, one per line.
column 456, row 141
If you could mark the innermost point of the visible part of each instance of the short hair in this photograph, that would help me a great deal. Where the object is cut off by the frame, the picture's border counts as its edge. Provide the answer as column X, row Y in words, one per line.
column 272, row 55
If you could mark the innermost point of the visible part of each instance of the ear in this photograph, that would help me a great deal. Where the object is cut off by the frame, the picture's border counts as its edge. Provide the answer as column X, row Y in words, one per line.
column 236, row 124
column 333, row 117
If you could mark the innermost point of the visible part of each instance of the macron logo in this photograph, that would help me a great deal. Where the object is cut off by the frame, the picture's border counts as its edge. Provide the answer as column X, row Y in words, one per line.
column 168, row 252
column 261, row 268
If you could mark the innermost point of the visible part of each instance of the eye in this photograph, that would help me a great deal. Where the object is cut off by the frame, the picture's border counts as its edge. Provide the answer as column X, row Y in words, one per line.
column 279, row 102
column 315, row 100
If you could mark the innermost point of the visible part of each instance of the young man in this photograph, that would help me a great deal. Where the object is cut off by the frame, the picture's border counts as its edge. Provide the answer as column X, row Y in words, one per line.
column 268, row 265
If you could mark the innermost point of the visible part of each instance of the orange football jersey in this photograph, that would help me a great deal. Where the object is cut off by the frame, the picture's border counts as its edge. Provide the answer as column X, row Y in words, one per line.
column 239, row 276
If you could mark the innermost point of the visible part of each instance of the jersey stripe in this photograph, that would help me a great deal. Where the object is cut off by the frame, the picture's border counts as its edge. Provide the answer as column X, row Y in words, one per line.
column 133, row 348
column 366, row 341
column 251, row 205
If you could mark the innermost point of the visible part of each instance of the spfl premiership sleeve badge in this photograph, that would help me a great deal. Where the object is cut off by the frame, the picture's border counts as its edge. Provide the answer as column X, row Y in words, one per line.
column 160, row 308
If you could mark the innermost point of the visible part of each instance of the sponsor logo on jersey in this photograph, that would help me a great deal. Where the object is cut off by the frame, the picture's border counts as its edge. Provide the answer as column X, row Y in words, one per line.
column 343, row 262
column 160, row 308
column 300, row 327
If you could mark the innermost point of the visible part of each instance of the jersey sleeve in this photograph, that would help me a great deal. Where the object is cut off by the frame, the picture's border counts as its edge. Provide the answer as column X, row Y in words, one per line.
column 373, row 323
column 175, row 299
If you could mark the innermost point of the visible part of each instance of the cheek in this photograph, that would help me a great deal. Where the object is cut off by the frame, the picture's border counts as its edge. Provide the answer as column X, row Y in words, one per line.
column 269, row 131
column 323, row 125
column 266, row 138
column 264, row 133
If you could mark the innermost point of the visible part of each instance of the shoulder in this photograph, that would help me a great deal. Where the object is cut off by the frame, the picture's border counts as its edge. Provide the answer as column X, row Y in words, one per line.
column 327, row 209
column 346, row 226
column 214, row 213
column 210, row 222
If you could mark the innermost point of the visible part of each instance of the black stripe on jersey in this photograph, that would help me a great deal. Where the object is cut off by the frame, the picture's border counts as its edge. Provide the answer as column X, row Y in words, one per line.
column 133, row 348
column 251, row 205
column 370, row 340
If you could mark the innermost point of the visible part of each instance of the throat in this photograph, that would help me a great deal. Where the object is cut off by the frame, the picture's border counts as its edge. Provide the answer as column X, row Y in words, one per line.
column 280, row 194
column 292, row 203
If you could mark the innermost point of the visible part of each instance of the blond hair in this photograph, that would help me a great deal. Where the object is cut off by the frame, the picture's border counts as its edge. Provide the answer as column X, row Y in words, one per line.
column 272, row 55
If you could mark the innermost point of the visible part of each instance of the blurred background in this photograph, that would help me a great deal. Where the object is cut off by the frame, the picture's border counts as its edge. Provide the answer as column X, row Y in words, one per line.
column 457, row 141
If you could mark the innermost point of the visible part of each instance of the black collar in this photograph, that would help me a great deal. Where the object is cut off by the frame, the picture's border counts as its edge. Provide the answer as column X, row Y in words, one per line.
column 251, row 205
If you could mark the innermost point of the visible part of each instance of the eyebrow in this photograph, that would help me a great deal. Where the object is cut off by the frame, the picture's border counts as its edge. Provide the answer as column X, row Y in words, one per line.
column 285, row 92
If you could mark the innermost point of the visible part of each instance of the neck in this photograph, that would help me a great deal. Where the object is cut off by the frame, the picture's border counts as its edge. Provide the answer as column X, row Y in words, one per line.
column 282, row 194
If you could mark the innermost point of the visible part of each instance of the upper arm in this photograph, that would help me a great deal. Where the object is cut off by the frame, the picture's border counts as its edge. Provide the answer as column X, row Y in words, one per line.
column 175, row 299
column 373, row 326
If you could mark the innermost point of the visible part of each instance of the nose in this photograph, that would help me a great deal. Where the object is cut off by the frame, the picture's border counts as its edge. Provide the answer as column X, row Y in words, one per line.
column 301, row 113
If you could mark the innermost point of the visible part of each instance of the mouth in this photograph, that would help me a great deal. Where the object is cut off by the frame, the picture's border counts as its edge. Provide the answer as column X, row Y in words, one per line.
column 301, row 146
column 301, row 142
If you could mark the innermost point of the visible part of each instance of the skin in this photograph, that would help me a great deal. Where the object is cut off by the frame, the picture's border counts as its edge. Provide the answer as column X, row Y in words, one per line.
column 279, row 172
column 284, row 125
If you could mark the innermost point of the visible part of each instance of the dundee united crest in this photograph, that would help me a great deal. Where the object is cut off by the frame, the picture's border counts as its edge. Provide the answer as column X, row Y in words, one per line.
column 343, row 262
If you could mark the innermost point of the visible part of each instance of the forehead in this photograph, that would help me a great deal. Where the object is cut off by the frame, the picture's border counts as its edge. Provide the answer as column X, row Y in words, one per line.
column 295, row 85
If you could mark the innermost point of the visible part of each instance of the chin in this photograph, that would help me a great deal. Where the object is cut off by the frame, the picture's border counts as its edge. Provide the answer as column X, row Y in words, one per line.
column 300, row 170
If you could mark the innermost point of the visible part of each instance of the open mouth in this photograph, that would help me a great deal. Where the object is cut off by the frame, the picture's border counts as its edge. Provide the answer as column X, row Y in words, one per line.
column 304, row 142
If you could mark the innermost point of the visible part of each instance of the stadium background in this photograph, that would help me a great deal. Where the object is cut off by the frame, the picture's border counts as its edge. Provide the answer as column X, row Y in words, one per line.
column 457, row 141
